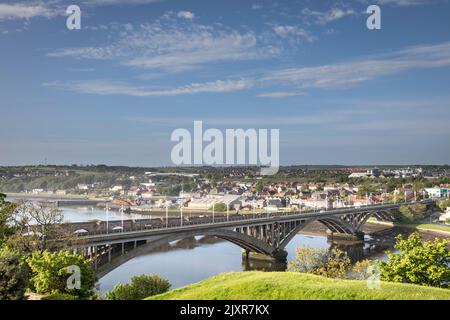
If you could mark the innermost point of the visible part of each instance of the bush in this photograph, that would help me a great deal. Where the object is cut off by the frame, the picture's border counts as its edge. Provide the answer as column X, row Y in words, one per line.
column 328, row 263
column 50, row 273
column 444, row 204
column 424, row 263
column 140, row 288
column 60, row 296
column 219, row 207
column 13, row 275
column 412, row 213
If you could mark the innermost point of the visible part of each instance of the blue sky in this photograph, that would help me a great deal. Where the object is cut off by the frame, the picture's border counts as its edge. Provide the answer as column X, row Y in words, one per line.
column 114, row 91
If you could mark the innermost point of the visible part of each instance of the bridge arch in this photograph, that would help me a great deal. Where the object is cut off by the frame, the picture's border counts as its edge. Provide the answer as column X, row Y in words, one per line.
column 382, row 215
column 239, row 239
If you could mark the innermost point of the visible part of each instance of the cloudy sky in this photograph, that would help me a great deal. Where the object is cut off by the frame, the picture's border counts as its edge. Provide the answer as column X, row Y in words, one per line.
column 114, row 91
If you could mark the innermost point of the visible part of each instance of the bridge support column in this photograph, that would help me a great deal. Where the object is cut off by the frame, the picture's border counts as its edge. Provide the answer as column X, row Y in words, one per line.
column 279, row 255
column 358, row 236
column 95, row 257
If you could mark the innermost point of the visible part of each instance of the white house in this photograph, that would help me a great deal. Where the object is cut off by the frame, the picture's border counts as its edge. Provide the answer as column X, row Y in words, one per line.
column 436, row 193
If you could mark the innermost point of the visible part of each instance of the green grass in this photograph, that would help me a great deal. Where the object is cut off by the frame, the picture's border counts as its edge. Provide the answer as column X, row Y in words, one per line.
column 424, row 226
column 296, row 286
column 417, row 226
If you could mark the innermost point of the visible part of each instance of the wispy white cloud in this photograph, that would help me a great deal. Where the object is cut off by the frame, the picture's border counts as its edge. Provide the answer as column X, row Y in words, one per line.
column 281, row 94
column 172, row 46
column 348, row 74
column 293, row 31
column 404, row 3
column 25, row 11
column 102, row 87
column 118, row 2
column 339, row 75
column 325, row 17
column 186, row 15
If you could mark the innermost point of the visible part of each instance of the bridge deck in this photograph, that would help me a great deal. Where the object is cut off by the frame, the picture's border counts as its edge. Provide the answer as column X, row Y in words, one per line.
column 222, row 223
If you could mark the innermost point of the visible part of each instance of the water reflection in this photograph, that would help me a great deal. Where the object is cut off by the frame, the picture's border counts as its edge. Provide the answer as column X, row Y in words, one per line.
column 196, row 258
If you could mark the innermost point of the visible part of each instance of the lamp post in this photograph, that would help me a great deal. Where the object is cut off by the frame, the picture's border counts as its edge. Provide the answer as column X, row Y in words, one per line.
column 214, row 208
column 181, row 208
column 254, row 213
column 181, row 213
column 107, row 219
column 121, row 212
column 167, row 214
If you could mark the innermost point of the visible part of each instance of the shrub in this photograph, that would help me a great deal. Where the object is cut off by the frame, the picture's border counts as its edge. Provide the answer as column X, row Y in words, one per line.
column 219, row 207
column 60, row 296
column 140, row 288
column 13, row 275
column 424, row 263
column 444, row 204
column 412, row 213
column 332, row 263
column 50, row 273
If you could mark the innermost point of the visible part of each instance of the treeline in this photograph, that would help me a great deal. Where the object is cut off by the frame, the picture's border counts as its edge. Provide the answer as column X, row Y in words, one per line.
column 52, row 183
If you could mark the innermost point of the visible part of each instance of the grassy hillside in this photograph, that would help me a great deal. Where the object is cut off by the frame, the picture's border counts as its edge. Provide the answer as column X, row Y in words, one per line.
column 296, row 286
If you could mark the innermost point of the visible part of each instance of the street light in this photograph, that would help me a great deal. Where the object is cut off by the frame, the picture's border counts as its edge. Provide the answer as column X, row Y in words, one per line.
column 107, row 219
column 254, row 214
column 167, row 214
column 214, row 208
column 121, row 211
column 181, row 207
column 181, row 212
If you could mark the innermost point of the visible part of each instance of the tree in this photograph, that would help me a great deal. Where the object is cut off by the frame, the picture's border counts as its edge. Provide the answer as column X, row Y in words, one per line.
column 213, row 183
column 13, row 275
column 219, row 207
column 444, row 204
column 424, row 263
column 332, row 263
column 6, row 219
column 412, row 213
column 50, row 274
column 38, row 226
column 141, row 287
column 259, row 187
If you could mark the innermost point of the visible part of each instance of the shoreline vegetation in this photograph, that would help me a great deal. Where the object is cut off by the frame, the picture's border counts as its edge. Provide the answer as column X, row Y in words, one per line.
column 427, row 227
column 257, row 285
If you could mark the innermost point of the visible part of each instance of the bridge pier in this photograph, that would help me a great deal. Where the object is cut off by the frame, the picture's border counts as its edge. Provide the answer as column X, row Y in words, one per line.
column 333, row 236
column 278, row 255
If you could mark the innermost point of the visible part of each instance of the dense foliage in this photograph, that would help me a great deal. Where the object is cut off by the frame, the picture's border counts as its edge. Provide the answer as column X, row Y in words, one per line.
column 50, row 273
column 13, row 275
column 332, row 263
column 6, row 218
column 412, row 213
column 140, row 288
column 219, row 207
column 444, row 204
column 425, row 263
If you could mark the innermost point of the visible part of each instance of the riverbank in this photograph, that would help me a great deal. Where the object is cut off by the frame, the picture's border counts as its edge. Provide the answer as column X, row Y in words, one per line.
column 427, row 227
column 297, row 286
column 53, row 196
